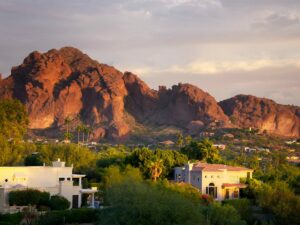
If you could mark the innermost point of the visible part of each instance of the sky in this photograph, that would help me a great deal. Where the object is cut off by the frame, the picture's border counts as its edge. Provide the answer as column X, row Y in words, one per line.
column 225, row 47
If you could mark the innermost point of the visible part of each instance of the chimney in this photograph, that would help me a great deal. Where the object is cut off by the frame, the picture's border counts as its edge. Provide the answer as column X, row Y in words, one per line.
column 58, row 163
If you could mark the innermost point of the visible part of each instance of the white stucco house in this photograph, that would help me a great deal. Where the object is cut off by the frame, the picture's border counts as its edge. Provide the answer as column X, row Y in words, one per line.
column 57, row 179
column 218, row 180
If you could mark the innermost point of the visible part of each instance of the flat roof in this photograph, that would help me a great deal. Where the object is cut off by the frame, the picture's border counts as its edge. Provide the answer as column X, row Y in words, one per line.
column 88, row 191
column 218, row 167
column 78, row 175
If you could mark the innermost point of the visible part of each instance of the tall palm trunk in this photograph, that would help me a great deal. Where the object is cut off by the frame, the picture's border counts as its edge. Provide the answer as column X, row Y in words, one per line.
column 78, row 133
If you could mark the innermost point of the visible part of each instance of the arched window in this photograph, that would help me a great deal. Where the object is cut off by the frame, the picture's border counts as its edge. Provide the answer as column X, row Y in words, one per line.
column 212, row 190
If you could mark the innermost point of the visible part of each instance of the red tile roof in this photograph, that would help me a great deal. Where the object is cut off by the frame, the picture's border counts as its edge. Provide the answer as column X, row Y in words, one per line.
column 218, row 167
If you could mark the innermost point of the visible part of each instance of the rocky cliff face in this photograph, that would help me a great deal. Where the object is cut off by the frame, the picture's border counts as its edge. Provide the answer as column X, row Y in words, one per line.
column 264, row 114
column 180, row 106
column 66, row 83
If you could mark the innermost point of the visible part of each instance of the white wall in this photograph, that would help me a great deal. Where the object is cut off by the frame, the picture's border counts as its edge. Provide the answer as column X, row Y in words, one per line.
column 38, row 177
column 34, row 177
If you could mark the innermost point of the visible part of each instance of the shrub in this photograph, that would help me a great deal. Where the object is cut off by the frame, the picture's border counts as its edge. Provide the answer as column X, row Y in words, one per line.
column 28, row 197
column 33, row 160
column 10, row 219
column 243, row 206
column 59, row 203
column 68, row 216
column 225, row 215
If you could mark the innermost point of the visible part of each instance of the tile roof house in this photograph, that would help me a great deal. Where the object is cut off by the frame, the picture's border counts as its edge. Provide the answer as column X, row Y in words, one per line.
column 218, row 180
column 57, row 179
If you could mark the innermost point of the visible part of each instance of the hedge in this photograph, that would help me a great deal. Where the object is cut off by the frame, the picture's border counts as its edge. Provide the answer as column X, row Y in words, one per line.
column 28, row 197
column 68, row 216
column 59, row 203
column 10, row 219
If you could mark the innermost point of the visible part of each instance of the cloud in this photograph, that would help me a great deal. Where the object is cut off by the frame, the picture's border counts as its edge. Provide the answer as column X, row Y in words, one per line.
column 212, row 67
column 278, row 20
column 198, row 3
column 280, row 84
column 177, row 40
column 219, row 67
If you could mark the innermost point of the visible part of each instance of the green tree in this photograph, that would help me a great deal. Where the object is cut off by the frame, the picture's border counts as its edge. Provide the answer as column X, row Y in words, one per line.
column 155, row 166
column 243, row 207
column 180, row 140
column 68, row 136
column 78, row 130
column 13, row 119
column 89, row 130
column 68, row 121
column 59, row 203
column 111, row 156
column 144, row 157
column 203, row 150
column 33, row 160
column 133, row 201
column 222, row 215
column 187, row 140
column 281, row 201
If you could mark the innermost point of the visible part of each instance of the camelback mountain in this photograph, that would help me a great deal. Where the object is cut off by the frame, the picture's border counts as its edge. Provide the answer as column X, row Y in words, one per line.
column 67, row 83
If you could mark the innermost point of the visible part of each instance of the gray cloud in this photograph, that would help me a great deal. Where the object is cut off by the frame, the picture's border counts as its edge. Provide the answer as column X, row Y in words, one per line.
column 156, row 36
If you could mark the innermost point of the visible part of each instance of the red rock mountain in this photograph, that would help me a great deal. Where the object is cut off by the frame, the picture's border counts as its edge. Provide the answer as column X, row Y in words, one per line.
column 66, row 83
column 263, row 114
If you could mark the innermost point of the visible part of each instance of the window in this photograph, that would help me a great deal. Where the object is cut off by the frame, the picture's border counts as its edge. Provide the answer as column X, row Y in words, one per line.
column 75, row 181
column 205, row 176
column 227, row 194
column 6, row 180
column 236, row 193
column 198, row 179
column 61, row 179
column 68, row 178
column 212, row 176
column 212, row 190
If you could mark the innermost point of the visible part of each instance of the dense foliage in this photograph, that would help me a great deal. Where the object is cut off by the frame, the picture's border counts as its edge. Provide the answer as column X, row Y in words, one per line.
column 10, row 219
column 42, row 200
column 132, row 200
column 147, row 160
column 28, row 197
column 59, row 203
column 13, row 119
column 125, row 176
column 202, row 150
column 73, row 216
column 277, row 199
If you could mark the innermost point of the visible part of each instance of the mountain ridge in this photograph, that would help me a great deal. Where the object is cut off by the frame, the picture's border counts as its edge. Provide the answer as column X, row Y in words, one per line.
column 68, row 83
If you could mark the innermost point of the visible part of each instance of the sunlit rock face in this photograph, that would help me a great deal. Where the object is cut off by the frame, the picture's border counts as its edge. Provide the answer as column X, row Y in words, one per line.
column 177, row 106
column 264, row 114
column 67, row 83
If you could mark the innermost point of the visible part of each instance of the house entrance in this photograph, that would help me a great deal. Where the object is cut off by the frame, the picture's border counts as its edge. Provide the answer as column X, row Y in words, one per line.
column 75, row 201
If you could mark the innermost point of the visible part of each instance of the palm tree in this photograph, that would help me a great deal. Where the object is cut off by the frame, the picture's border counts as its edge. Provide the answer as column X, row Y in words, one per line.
column 156, row 168
column 84, row 131
column 67, row 122
column 78, row 129
column 89, row 131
